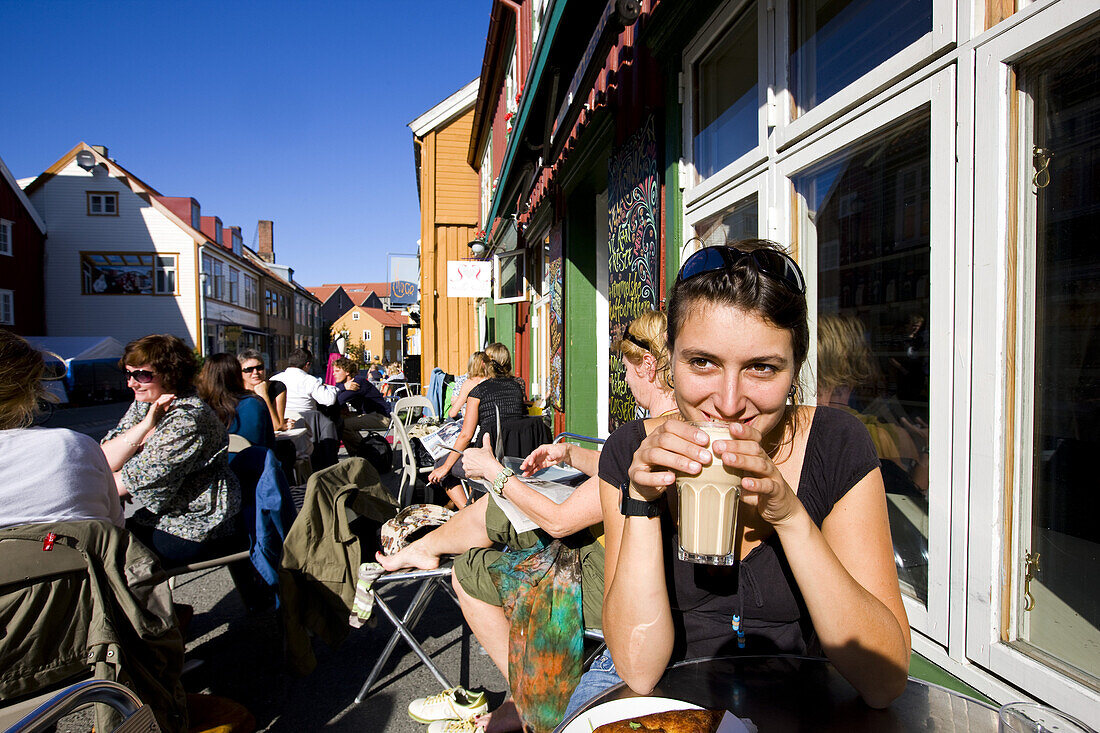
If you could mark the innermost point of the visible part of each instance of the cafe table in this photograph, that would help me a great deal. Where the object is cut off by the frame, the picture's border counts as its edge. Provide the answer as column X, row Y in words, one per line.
column 790, row 693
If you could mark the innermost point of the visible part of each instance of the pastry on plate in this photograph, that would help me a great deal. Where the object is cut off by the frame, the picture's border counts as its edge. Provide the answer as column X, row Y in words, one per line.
column 673, row 721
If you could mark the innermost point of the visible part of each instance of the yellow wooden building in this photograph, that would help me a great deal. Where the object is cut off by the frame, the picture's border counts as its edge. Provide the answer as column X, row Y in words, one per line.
column 449, row 218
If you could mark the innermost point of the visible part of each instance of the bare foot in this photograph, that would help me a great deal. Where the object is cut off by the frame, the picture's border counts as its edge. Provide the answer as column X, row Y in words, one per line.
column 504, row 719
column 413, row 556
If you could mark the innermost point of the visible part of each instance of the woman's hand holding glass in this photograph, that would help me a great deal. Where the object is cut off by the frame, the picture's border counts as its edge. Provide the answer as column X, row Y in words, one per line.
column 762, row 485
column 672, row 445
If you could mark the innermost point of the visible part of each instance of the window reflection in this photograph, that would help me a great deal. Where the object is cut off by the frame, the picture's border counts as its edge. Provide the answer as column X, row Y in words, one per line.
column 737, row 222
column 868, row 208
column 1062, row 164
column 726, row 103
column 835, row 42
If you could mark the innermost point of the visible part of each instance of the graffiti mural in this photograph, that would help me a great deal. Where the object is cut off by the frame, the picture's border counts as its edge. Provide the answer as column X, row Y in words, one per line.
column 633, row 189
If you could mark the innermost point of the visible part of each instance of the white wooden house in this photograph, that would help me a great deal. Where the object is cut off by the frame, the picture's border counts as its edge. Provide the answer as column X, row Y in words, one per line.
column 124, row 261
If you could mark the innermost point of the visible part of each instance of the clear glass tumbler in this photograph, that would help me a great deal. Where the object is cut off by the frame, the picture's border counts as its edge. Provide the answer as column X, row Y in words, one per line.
column 1030, row 717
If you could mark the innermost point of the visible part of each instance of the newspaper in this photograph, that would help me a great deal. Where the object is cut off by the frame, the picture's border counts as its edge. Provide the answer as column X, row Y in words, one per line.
column 550, row 482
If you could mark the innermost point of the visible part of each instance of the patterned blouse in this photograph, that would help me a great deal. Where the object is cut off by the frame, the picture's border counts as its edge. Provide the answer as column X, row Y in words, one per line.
column 181, row 474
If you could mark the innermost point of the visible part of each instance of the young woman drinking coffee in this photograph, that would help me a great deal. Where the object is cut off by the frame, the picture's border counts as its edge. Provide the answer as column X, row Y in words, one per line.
column 814, row 571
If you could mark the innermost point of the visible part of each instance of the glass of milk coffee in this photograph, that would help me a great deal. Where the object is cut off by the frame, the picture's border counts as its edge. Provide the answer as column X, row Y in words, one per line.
column 708, row 506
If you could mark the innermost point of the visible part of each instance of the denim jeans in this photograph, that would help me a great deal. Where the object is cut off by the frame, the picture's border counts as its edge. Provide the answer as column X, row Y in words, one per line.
column 599, row 677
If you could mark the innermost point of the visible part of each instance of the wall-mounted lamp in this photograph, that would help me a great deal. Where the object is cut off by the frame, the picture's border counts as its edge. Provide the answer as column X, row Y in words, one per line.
column 477, row 246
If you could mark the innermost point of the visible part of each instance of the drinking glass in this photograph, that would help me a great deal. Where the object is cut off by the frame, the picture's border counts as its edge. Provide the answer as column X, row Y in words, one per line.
column 708, row 500
column 1030, row 717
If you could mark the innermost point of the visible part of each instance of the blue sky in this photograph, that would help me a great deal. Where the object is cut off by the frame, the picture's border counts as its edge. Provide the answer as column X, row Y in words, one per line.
column 290, row 111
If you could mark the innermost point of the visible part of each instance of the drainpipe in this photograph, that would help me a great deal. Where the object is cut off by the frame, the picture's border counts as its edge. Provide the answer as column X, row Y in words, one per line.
column 202, row 303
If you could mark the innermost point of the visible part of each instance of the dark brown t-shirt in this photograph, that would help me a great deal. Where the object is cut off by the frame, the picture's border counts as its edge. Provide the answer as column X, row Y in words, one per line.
column 761, row 588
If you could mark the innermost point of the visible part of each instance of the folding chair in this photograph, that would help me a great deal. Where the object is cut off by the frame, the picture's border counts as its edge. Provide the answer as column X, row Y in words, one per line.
column 430, row 581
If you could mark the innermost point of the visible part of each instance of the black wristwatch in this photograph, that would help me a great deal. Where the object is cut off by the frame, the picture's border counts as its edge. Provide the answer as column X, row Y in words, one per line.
column 631, row 507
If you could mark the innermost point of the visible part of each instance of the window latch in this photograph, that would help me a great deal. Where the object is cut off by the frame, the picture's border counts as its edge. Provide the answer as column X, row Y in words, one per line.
column 1040, row 160
column 1031, row 564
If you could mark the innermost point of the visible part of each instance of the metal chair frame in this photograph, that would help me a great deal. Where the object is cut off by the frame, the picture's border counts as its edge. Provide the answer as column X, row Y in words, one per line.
column 430, row 581
column 136, row 717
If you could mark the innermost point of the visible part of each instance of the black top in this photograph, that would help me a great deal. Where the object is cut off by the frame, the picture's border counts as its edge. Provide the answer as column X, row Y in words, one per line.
column 366, row 399
column 761, row 588
column 505, row 393
column 275, row 388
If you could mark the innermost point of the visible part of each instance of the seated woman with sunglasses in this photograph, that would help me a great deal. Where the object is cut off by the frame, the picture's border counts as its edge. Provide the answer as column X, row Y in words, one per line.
column 815, row 569
column 272, row 393
column 221, row 386
column 46, row 474
column 170, row 452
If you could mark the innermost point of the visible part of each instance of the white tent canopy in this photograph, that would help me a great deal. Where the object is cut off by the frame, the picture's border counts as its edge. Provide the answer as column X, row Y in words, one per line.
column 79, row 348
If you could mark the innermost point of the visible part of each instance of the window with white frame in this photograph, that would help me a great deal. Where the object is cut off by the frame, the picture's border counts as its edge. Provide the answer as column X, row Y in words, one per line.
column 538, row 17
column 868, row 208
column 102, row 203
column 127, row 273
column 486, row 180
column 1056, row 539
column 835, row 42
column 234, row 285
column 5, row 237
column 7, row 307
column 740, row 220
column 207, row 276
column 355, row 315
column 166, row 274
column 1034, row 396
column 508, row 277
column 366, row 335
column 219, row 280
column 250, row 292
column 725, row 96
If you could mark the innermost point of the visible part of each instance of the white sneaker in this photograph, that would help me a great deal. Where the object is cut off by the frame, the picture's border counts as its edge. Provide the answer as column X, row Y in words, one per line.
column 453, row 704
column 455, row 726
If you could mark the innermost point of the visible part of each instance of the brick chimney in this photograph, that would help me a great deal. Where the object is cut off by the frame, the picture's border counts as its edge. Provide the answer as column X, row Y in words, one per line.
column 266, row 248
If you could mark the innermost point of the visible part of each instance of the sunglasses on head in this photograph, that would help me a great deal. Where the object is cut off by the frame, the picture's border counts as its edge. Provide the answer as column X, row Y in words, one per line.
column 141, row 376
column 256, row 368
column 640, row 343
column 770, row 262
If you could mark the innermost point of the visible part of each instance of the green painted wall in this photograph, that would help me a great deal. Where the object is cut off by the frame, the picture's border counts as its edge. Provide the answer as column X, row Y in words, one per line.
column 580, row 307
column 502, row 324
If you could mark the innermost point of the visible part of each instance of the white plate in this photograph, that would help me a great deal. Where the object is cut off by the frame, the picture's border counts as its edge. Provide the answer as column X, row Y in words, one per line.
column 630, row 707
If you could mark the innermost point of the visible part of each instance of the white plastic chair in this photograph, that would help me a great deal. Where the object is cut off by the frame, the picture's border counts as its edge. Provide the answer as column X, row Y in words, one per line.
column 410, row 471
column 409, row 404
column 238, row 443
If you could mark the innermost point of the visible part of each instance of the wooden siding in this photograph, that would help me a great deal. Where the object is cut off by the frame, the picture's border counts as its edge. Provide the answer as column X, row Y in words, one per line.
column 449, row 191
column 456, row 183
column 139, row 227
column 22, row 272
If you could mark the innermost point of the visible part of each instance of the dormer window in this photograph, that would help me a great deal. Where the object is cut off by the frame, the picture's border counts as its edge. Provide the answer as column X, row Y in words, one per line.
column 237, row 243
column 102, row 203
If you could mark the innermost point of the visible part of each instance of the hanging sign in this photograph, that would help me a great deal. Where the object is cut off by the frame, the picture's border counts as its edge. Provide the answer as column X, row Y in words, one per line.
column 469, row 279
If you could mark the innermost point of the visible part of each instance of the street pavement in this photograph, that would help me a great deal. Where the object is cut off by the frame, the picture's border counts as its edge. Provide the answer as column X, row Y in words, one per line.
column 242, row 655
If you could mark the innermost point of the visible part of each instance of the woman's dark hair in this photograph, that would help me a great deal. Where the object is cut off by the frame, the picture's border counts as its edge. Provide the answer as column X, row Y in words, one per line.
column 221, row 385
column 347, row 365
column 169, row 357
column 746, row 288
